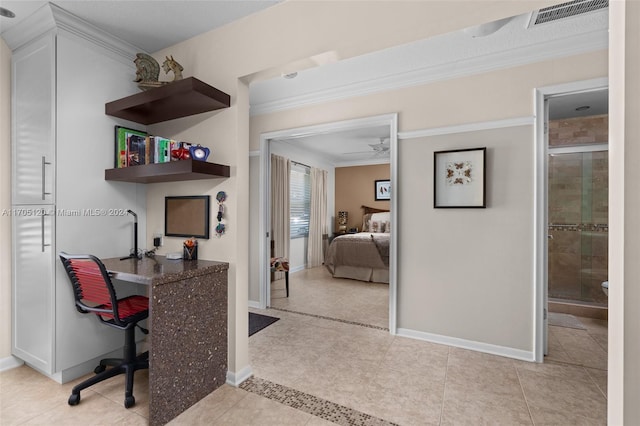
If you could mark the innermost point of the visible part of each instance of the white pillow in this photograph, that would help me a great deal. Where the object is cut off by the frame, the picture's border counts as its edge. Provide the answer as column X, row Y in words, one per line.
column 381, row 217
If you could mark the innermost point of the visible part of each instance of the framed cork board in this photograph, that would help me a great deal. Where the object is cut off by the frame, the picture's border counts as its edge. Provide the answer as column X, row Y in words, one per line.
column 186, row 216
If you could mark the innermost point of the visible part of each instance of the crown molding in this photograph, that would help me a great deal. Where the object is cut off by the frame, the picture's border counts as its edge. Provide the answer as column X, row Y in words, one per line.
column 468, row 127
column 31, row 27
column 568, row 46
column 76, row 26
column 51, row 17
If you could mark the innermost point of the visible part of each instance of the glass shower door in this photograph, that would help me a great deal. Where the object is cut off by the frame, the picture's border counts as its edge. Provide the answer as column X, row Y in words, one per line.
column 578, row 226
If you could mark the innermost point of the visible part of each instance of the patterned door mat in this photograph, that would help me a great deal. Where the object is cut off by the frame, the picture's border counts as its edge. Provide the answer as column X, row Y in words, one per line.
column 565, row 320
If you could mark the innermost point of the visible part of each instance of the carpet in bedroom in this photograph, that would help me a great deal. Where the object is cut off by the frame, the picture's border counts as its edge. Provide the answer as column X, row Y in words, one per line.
column 257, row 322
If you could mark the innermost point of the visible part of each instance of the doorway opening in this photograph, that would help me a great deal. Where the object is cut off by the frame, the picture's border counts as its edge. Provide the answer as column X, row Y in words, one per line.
column 573, row 223
column 298, row 145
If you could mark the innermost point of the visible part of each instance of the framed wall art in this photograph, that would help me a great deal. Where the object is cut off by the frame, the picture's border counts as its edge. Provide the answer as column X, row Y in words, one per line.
column 459, row 179
column 383, row 190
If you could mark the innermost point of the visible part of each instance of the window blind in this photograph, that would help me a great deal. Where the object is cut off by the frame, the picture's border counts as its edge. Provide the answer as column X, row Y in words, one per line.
column 300, row 200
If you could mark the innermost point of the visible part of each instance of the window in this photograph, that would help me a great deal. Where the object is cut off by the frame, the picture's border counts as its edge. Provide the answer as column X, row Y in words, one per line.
column 300, row 200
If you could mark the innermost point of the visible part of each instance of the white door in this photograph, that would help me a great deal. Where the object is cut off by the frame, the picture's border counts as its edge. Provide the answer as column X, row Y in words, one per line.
column 33, row 282
column 33, row 75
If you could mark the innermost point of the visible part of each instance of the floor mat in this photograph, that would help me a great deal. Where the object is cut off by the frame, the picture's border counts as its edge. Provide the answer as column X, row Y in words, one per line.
column 257, row 322
column 565, row 320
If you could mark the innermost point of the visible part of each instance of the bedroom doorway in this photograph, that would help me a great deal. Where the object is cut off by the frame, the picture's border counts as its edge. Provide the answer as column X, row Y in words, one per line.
column 291, row 141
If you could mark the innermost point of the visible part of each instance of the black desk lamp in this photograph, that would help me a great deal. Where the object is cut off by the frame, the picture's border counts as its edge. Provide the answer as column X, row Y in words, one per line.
column 134, row 255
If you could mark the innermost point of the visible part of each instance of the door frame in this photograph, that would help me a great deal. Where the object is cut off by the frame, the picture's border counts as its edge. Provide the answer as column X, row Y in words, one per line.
column 265, row 196
column 541, row 94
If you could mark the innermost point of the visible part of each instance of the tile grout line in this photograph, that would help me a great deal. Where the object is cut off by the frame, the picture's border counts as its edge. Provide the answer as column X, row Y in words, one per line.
column 444, row 387
column 310, row 404
column 593, row 380
column 375, row 327
column 524, row 395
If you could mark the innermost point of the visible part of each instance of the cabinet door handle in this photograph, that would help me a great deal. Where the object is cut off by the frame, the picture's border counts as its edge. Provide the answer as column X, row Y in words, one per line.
column 44, row 163
column 43, row 244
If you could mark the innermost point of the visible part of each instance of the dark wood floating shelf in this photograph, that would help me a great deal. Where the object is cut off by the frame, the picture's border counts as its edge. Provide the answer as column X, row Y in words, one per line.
column 168, row 172
column 174, row 100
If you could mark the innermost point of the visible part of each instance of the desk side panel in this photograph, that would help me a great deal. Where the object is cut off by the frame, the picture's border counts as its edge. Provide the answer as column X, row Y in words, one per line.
column 188, row 356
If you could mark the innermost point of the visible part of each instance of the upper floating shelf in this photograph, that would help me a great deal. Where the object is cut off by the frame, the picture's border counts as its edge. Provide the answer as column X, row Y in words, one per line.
column 174, row 100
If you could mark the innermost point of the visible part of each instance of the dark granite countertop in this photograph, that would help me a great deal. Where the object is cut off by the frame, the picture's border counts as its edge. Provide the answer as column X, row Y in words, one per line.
column 159, row 269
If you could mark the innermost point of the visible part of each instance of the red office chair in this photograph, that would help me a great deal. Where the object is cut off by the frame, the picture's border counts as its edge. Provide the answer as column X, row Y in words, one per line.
column 94, row 293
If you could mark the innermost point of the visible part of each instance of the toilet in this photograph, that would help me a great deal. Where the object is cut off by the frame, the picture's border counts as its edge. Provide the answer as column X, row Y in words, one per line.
column 605, row 287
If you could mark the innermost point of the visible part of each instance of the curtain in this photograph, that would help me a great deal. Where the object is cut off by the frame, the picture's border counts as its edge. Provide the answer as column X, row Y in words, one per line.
column 280, row 171
column 317, row 218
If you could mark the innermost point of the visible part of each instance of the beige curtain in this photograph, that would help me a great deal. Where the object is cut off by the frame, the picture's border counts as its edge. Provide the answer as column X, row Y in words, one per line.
column 280, row 172
column 317, row 218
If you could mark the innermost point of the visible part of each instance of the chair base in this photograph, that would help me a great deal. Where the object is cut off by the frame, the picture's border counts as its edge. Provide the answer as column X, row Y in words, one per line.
column 121, row 366
column 128, row 365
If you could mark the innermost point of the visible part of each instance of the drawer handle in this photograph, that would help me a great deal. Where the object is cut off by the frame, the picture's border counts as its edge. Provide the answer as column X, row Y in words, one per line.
column 44, row 163
column 43, row 244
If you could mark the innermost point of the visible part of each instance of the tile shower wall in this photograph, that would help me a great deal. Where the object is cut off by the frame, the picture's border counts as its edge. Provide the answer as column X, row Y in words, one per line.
column 578, row 214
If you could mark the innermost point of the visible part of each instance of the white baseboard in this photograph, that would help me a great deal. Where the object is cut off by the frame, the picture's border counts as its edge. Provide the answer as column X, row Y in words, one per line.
column 468, row 344
column 10, row 362
column 255, row 305
column 235, row 379
column 297, row 268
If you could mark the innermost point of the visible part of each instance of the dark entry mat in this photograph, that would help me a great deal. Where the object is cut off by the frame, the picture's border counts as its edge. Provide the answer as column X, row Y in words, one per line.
column 257, row 322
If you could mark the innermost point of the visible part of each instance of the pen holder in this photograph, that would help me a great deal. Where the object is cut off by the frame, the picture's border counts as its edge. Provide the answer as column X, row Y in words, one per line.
column 189, row 253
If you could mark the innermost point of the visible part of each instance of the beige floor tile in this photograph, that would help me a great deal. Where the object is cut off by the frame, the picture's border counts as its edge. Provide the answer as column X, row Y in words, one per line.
column 260, row 411
column 462, row 407
column 600, row 377
column 114, row 389
column 556, row 393
column 549, row 417
column 27, row 394
column 211, row 407
column 94, row 409
column 317, row 421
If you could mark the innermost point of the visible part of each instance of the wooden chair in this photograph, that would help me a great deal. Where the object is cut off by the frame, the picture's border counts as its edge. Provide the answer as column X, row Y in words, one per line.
column 279, row 264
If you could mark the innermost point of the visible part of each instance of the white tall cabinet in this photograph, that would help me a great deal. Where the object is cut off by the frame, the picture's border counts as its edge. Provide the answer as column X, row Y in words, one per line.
column 63, row 73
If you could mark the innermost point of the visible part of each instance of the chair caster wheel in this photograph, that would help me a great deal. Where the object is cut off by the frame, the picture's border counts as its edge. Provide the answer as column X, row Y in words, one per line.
column 129, row 401
column 99, row 369
column 74, row 399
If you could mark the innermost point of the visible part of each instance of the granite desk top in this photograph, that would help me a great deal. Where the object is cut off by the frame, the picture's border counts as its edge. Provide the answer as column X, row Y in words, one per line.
column 160, row 270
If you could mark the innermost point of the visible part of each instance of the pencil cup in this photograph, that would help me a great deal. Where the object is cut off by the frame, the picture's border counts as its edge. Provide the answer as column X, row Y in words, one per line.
column 189, row 253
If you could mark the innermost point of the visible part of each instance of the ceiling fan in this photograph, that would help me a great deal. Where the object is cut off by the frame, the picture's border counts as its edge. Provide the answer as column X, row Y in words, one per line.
column 377, row 149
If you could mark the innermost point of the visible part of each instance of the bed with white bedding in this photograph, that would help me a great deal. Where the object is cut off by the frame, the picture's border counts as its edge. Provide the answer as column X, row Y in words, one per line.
column 362, row 256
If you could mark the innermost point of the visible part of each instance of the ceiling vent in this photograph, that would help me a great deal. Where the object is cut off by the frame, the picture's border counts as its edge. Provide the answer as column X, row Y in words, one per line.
column 566, row 10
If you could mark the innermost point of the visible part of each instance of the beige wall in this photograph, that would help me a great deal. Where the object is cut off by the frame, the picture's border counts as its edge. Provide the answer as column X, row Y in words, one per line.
column 355, row 188
column 5, row 200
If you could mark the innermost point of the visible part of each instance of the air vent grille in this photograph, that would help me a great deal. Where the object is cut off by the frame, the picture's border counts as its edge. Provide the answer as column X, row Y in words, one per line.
column 568, row 9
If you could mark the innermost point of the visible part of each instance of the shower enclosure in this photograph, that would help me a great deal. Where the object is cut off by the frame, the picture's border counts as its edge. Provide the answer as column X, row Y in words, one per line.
column 578, row 223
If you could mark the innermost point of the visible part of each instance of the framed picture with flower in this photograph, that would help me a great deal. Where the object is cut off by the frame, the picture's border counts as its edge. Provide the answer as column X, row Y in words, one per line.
column 459, row 178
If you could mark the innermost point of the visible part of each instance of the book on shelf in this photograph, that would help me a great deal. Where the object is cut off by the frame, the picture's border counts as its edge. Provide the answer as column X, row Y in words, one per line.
column 162, row 149
column 150, row 152
column 135, row 149
column 123, row 141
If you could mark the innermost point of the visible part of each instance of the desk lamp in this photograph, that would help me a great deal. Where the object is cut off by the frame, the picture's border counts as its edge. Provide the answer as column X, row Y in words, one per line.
column 134, row 254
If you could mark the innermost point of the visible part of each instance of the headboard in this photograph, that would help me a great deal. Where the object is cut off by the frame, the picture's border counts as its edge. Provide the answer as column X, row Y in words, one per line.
column 368, row 210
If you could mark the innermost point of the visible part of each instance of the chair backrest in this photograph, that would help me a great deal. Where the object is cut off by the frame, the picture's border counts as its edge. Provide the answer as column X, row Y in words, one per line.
column 92, row 286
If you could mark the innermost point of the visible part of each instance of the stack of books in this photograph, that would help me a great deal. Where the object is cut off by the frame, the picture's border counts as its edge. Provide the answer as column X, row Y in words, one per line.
column 135, row 147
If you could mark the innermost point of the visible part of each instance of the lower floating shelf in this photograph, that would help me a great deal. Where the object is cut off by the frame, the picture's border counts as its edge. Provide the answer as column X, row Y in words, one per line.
column 168, row 172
